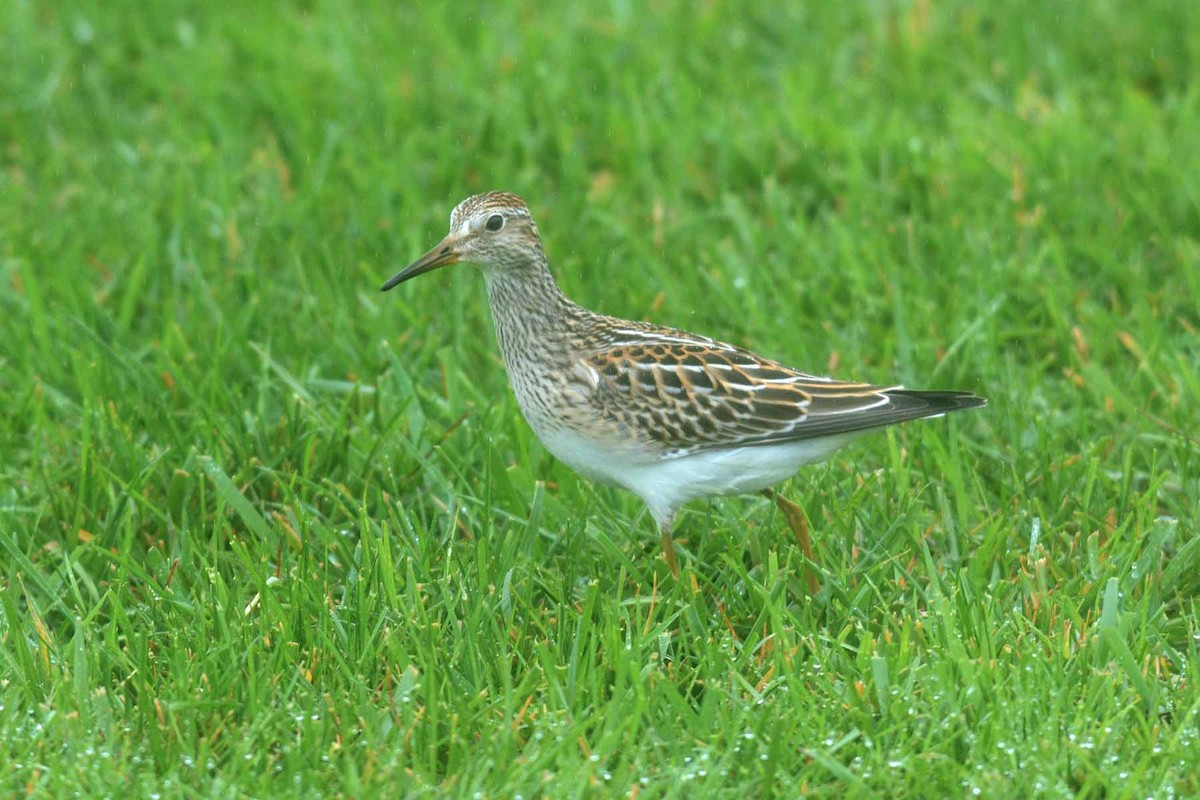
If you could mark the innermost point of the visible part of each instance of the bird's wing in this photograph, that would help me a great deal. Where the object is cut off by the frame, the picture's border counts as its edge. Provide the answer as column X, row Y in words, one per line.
column 690, row 394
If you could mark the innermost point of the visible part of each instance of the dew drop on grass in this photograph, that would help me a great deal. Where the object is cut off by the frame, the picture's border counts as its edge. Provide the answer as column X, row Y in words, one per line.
column 83, row 31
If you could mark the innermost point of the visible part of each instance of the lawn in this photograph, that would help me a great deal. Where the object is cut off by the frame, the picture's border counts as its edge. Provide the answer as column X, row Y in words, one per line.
column 265, row 531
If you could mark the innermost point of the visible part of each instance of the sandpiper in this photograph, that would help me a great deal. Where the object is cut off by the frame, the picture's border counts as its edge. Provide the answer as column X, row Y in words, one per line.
column 669, row 415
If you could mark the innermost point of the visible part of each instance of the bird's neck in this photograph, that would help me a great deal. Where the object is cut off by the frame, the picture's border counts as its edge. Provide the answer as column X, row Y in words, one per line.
column 528, row 308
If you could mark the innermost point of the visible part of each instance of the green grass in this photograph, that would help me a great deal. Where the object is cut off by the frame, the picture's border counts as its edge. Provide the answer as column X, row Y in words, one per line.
column 265, row 531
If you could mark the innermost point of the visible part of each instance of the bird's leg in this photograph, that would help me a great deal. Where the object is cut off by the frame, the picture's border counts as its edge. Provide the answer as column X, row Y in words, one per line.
column 799, row 523
column 669, row 547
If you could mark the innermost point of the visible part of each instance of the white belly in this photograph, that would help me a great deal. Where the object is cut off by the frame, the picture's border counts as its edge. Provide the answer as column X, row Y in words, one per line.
column 666, row 484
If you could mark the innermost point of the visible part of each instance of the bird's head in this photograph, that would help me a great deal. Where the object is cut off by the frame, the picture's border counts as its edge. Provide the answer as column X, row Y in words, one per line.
column 493, row 230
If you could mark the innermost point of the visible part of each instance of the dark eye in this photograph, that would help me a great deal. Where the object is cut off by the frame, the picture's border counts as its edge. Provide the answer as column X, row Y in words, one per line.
column 495, row 222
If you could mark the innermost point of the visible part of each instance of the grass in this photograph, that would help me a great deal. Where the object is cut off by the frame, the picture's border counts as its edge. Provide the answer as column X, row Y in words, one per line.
column 264, row 531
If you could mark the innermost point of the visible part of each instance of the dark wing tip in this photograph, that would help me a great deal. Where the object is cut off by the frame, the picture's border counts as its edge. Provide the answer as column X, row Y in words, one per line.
column 903, row 405
column 929, row 403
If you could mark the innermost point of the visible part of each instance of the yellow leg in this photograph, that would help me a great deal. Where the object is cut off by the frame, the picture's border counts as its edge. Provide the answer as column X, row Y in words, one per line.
column 669, row 549
column 799, row 523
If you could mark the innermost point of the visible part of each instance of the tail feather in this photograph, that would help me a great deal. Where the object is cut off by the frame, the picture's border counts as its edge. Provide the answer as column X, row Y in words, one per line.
column 927, row 403
column 903, row 405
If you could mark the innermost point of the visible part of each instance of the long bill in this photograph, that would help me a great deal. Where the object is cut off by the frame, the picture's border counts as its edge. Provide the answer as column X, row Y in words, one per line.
column 442, row 255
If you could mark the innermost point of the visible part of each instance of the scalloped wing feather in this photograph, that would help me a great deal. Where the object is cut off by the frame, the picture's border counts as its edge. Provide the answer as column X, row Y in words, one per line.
column 689, row 394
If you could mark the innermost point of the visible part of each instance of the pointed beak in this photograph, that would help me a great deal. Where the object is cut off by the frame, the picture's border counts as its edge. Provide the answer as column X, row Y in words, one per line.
column 442, row 255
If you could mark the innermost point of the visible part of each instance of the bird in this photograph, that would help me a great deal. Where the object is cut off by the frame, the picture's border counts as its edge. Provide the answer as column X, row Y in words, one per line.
column 669, row 415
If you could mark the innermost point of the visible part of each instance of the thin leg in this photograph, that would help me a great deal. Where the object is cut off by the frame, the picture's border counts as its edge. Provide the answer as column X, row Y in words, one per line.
column 669, row 548
column 799, row 523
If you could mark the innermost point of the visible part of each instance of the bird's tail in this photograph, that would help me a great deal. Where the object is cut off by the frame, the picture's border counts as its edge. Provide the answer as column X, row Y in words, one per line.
column 902, row 405
column 915, row 404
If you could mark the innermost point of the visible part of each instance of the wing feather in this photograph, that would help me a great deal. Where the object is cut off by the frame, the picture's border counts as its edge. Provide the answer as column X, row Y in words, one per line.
column 690, row 394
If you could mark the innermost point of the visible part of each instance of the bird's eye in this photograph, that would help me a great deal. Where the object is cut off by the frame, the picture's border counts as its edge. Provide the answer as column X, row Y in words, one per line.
column 495, row 222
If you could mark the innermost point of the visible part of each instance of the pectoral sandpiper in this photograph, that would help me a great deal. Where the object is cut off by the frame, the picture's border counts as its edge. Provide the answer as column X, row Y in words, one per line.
column 668, row 415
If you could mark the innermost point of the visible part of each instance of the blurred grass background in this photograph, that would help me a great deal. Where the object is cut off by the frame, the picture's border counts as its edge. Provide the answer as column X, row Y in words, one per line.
column 264, row 531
